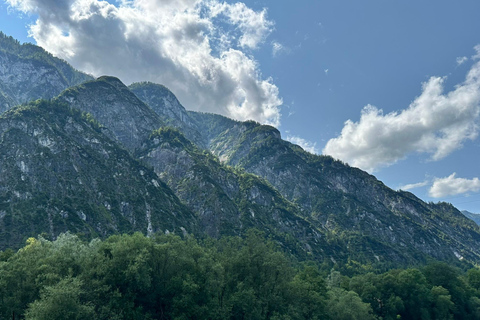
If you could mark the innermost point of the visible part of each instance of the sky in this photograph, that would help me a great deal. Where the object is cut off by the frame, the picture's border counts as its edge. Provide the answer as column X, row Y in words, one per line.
column 389, row 86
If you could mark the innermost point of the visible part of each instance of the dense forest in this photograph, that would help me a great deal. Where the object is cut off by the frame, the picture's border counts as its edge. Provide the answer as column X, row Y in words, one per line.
column 173, row 277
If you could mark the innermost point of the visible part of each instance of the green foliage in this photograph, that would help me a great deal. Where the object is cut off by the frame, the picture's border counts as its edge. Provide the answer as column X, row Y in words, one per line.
column 172, row 136
column 147, row 85
column 347, row 305
column 61, row 301
column 167, row 277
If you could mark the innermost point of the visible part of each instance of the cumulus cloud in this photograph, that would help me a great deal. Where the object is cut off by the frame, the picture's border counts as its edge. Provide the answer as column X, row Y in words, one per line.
column 451, row 185
column 305, row 144
column 201, row 49
column 411, row 186
column 435, row 123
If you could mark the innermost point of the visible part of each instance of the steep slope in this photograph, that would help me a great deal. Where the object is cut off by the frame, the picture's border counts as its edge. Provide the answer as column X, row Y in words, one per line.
column 110, row 102
column 352, row 205
column 224, row 201
column 166, row 105
column 473, row 216
column 58, row 172
column 229, row 201
column 27, row 72
column 354, row 210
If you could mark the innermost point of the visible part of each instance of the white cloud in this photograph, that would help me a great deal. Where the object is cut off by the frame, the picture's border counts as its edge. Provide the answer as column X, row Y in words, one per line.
column 195, row 47
column 435, row 123
column 254, row 26
column 411, row 186
column 461, row 60
column 305, row 144
column 451, row 186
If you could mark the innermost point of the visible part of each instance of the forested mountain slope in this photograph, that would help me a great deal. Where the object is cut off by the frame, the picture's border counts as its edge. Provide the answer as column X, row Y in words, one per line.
column 104, row 158
column 348, row 203
column 59, row 173
column 352, row 208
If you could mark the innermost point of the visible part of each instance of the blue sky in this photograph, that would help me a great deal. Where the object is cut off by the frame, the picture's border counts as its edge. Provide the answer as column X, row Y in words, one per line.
column 305, row 66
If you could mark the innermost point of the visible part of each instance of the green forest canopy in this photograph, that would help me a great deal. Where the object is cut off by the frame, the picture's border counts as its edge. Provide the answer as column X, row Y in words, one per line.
column 167, row 277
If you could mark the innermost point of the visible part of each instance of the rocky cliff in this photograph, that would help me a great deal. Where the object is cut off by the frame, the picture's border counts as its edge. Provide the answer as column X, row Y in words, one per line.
column 59, row 172
column 27, row 72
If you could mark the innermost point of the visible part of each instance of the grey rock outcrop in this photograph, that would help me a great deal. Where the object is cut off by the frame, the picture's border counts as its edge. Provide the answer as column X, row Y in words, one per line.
column 28, row 72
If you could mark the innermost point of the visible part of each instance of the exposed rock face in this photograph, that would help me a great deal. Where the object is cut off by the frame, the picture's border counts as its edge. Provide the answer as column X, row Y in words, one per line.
column 228, row 201
column 109, row 101
column 369, row 221
column 27, row 72
column 347, row 202
column 166, row 105
column 58, row 172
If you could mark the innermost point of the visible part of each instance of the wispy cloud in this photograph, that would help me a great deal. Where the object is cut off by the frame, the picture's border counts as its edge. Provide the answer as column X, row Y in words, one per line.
column 461, row 60
column 278, row 48
column 476, row 56
column 435, row 123
column 305, row 144
column 411, row 186
column 451, row 185
column 201, row 49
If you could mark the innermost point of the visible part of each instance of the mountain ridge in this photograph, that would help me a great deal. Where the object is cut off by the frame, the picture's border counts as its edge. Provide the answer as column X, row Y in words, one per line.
column 203, row 174
column 27, row 72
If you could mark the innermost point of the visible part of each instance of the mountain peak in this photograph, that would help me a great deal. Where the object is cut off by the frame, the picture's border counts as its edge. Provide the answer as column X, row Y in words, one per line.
column 115, row 107
column 113, row 81
column 166, row 105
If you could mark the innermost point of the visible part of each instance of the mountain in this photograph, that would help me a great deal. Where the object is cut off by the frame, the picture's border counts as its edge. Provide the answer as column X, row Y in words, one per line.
column 110, row 102
column 59, row 172
column 27, row 72
column 348, row 203
column 347, row 206
column 225, row 201
column 103, row 158
column 473, row 216
column 167, row 106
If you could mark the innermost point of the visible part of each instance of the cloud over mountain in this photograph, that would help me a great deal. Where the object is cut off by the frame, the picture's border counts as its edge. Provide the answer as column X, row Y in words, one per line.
column 435, row 123
column 305, row 144
column 200, row 49
column 411, row 186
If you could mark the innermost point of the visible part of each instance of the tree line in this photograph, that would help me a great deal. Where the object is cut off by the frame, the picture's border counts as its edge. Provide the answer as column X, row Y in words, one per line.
column 169, row 277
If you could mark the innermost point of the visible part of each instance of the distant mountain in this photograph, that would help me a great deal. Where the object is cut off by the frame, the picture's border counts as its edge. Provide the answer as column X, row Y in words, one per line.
column 103, row 158
column 473, row 216
column 27, row 72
